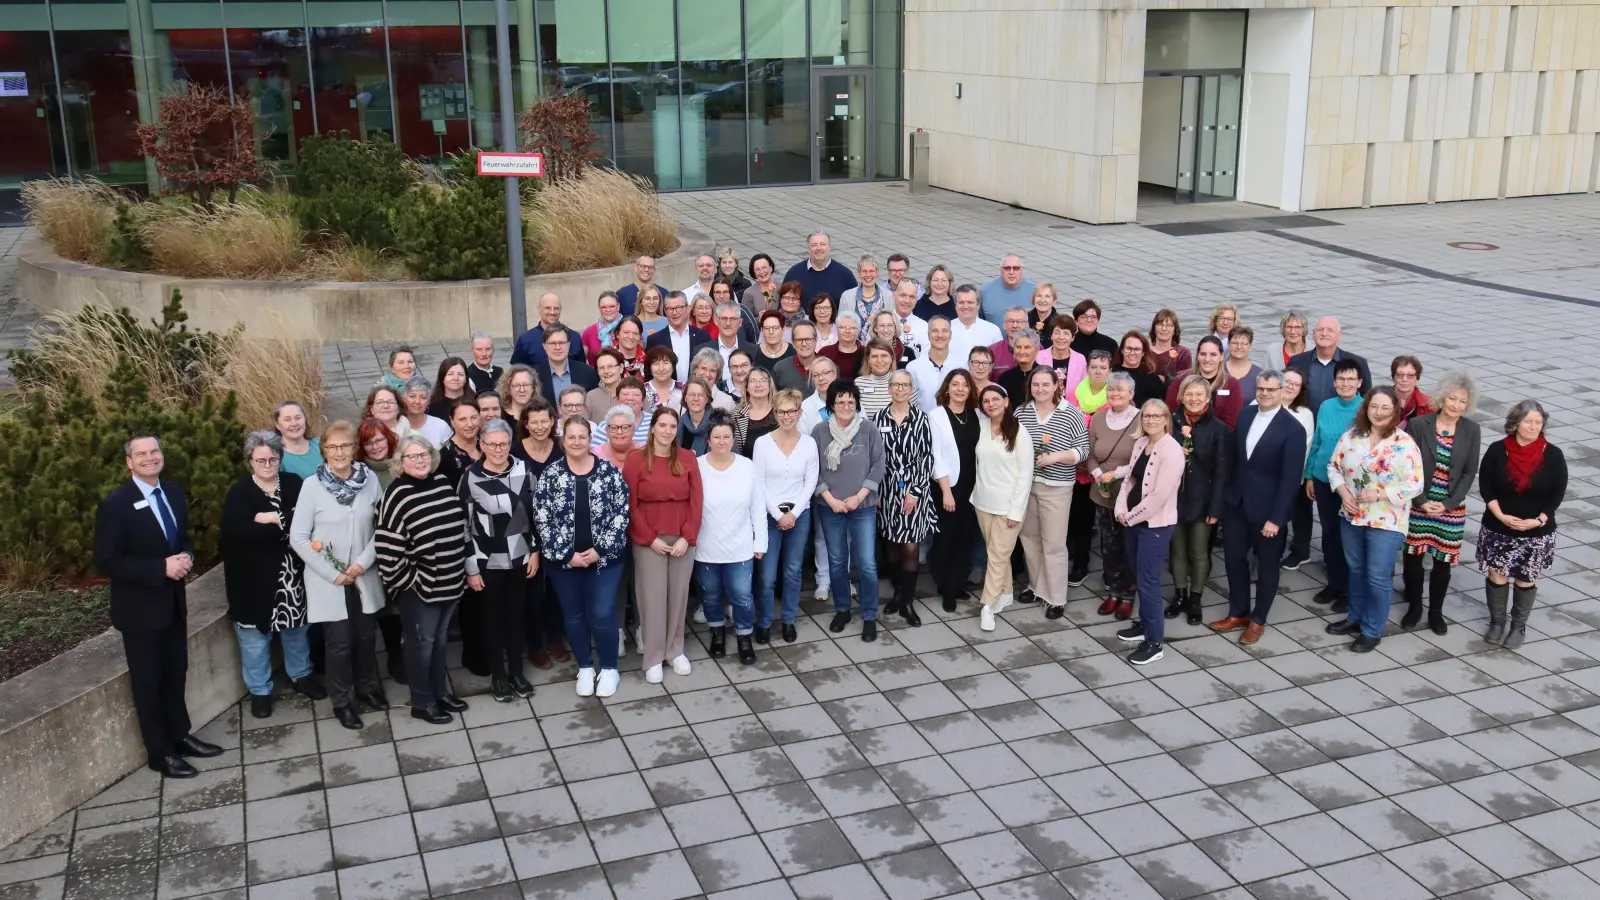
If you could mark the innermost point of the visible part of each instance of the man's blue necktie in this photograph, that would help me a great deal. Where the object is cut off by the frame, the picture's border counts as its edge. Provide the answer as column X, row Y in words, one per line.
column 168, row 524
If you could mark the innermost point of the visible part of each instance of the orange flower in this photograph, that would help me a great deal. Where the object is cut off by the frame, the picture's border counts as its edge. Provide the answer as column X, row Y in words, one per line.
column 316, row 546
column 1045, row 440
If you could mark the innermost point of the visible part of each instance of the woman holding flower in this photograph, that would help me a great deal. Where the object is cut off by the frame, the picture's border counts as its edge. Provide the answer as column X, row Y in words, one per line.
column 1375, row 471
column 1060, row 442
column 332, row 533
column 1205, row 442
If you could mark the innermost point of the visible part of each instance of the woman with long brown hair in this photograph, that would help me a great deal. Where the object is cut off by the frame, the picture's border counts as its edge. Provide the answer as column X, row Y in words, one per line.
column 1004, row 462
column 1134, row 357
column 1166, row 345
column 1227, row 395
column 665, row 499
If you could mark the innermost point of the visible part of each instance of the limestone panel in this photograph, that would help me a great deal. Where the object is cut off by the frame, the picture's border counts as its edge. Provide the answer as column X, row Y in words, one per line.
column 1335, row 176
column 1586, row 102
column 1504, row 103
column 1440, row 107
column 1481, row 37
column 1547, row 164
column 1424, row 42
column 1347, row 41
column 1553, row 111
column 1468, row 169
column 1399, row 172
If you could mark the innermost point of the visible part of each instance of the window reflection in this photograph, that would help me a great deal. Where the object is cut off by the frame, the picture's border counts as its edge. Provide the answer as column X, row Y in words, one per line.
column 270, row 72
column 349, row 67
column 29, row 116
column 778, row 81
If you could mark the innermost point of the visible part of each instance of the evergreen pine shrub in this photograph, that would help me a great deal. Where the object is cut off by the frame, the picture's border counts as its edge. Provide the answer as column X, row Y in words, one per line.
column 349, row 189
column 456, row 231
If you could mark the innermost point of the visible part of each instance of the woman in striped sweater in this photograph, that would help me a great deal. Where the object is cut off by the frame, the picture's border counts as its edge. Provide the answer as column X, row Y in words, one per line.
column 422, row 555
column 1060, row 442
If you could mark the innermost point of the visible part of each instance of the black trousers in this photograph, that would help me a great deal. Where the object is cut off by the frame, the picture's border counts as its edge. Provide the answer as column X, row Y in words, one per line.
column 158, row 663
column 427, row 628
column 1300, row 532
column 544, row 626
column 951, row 558
column 1240, row 538
column 1080, row 527
column 502, row 604
column 352, row 653
column 469, row 622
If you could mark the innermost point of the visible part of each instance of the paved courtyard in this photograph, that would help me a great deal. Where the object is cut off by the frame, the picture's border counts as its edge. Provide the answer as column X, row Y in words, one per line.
column 1027, row 762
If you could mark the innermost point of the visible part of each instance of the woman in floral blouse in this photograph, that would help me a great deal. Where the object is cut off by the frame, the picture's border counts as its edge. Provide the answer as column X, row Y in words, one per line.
column 1376, row 469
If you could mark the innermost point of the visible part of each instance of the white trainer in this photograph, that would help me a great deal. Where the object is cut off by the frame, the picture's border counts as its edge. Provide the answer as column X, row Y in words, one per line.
column 680, row 664
column 822, row 594
column 653, row 674
column 609, row 679
column 1001, row 602
column 986, row 618
column 585, row 682
column 699, row 615
column 622, row 642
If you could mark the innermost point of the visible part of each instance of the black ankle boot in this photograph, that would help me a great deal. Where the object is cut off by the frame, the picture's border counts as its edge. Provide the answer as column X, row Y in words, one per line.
column 1175, row 606
column 719, row 642
column 1193, row 608
column 747, row 650
column 908, row 605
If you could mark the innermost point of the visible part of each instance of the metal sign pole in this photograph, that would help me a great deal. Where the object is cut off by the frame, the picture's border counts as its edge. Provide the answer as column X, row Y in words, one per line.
column 508, row 143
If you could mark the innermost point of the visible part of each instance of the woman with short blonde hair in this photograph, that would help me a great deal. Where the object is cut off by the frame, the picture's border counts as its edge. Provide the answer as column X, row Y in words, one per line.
column 1147, row 510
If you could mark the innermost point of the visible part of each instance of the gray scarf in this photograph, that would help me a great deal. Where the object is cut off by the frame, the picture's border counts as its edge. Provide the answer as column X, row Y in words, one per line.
column 843, row 437
column 344, row 490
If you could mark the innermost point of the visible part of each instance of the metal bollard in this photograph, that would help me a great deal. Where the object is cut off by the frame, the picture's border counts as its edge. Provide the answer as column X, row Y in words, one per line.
column 919, row 162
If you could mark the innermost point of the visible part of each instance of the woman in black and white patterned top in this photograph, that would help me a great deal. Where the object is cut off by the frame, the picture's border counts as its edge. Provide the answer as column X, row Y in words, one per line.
column 905, row 497
column 498, row 493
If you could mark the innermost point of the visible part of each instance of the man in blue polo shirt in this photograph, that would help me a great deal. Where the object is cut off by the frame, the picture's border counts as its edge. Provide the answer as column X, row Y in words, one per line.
column 818, row 273
column 1000, row 294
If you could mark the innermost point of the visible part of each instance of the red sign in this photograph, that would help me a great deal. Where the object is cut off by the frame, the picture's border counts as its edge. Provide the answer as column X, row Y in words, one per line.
column 525, row 165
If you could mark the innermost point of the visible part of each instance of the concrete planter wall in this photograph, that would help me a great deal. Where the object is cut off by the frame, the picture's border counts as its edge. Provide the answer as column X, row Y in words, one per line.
column 67, row 727
column 338, row 311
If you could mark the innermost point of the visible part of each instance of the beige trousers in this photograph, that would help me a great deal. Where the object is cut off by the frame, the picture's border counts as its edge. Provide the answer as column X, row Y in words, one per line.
column 661, row 588
column 1044, row 540
column 1000, row 539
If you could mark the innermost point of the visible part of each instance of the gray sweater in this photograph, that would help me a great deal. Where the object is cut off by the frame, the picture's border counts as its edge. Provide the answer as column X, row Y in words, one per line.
column 861, row 465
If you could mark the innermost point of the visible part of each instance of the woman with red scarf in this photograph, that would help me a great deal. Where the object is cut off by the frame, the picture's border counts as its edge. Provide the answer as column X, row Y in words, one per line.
column 1522, row 480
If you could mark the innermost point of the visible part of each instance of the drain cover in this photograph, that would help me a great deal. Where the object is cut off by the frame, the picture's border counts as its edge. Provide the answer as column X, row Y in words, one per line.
column 1061, row 226
column 1473, row 245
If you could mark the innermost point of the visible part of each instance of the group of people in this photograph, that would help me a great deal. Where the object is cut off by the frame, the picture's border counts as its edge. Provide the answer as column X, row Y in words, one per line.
column 684, row 453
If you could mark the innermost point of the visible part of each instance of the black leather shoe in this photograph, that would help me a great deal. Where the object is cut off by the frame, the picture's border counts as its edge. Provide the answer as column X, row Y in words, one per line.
column 909, row 614
column 375, row 701
column 1055, row 612
column 789, row 634
column 1341, row 605
column 719, row 642
column 1364, row 644
column 522, row 686
column 1175, row 605
column 173, row 767
column 261, row 706
column 311, row 688
column 1026, row 595
column 1348, row 626
column 501, row 689
column 347, row 717
column 452, row 703
column 869, row 630
column 840, row 621
column 763, row 635
column 1326, row 595
column 747, row 650
column 433, row 715
column 950, row 604
column 193, row 746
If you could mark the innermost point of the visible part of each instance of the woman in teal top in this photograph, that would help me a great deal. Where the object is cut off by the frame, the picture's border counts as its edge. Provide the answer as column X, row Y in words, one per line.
column 1334, row 418
column 301, row 455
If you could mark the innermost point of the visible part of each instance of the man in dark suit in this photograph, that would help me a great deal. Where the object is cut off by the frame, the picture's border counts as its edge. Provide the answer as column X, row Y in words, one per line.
column 683, row 338
column 141, row 543
column 559, row 370
column 1269, row 453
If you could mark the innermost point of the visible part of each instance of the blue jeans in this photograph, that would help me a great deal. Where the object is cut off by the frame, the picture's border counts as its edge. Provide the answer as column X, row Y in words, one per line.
column 589, row 604
column 1370, row 554
column 790, row 546
column 724, row 584
column 1147, row 557
column 255, row 652
column 852, row 537
column 427, row 629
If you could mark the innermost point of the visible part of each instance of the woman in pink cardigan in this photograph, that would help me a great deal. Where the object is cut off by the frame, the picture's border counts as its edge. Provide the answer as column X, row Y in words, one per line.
column 1147, row 508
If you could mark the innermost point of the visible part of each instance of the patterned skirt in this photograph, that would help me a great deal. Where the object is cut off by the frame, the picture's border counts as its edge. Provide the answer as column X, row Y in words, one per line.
column 1522, row 557
column 1439, row 535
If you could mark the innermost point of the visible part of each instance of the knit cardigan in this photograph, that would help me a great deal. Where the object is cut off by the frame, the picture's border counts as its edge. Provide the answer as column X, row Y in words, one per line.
column 554, row 501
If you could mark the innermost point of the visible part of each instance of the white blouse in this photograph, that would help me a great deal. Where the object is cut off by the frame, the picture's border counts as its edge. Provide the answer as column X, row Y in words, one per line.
column 790, row 478
column 733, row 518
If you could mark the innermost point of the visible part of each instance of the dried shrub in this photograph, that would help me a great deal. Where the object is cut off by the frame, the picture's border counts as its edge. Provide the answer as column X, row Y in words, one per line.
column 73, row 217
column 350, row 262
column 254, row 237
column 561, row 128
column 271, row 362
column 603, row 218
column 202, row 141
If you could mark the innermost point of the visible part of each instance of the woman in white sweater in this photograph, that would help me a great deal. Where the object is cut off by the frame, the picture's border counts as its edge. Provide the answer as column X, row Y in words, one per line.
column 786, row 466
column 733, row 535
column 332, row 532
column 1000, row 496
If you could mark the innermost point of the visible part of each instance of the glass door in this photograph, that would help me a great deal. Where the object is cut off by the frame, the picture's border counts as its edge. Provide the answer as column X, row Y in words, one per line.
column 1208, row 137
column 841, row 119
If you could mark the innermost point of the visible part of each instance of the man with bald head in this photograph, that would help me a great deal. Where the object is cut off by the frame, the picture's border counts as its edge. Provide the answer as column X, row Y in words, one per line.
column 529, row 350
column 1009, row 289
column 1317, row 364
column 820, row 273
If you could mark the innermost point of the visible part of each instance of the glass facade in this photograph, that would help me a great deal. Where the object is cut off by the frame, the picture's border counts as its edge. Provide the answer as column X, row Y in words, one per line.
column 688, row 93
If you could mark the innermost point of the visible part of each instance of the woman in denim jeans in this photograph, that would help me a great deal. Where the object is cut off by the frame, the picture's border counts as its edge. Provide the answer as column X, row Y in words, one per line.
column 733, row 535
column 265, row 579
column 786, row 465
column 847, row 492
column 1375, row 470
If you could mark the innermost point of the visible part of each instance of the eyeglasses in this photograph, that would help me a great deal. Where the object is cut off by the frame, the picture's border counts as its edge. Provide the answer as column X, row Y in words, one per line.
column 1153, row 417
column 619, row 426
column 801, row 340
column 497, row 445
column 269, row 461
column 788, row 412
column 1011, row 268
column 378, row 403
column 417, row 457
column 339, row 448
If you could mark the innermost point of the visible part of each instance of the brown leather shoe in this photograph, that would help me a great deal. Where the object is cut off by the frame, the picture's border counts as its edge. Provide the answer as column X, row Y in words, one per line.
column 1252, row 633
column 1230, row 623
column 540, row 660
column 560, row 653
column 1124, row 610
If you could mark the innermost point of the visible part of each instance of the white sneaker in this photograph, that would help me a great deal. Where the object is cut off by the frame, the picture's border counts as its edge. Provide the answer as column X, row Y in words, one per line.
column 699, row 615
column 609, row 679
column 653, row 674
column 638, row 638
column 822, row 593
column 585, row 682
column 680, row 664
column 622, row 642
column 986, row 618
column 1001, row 602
